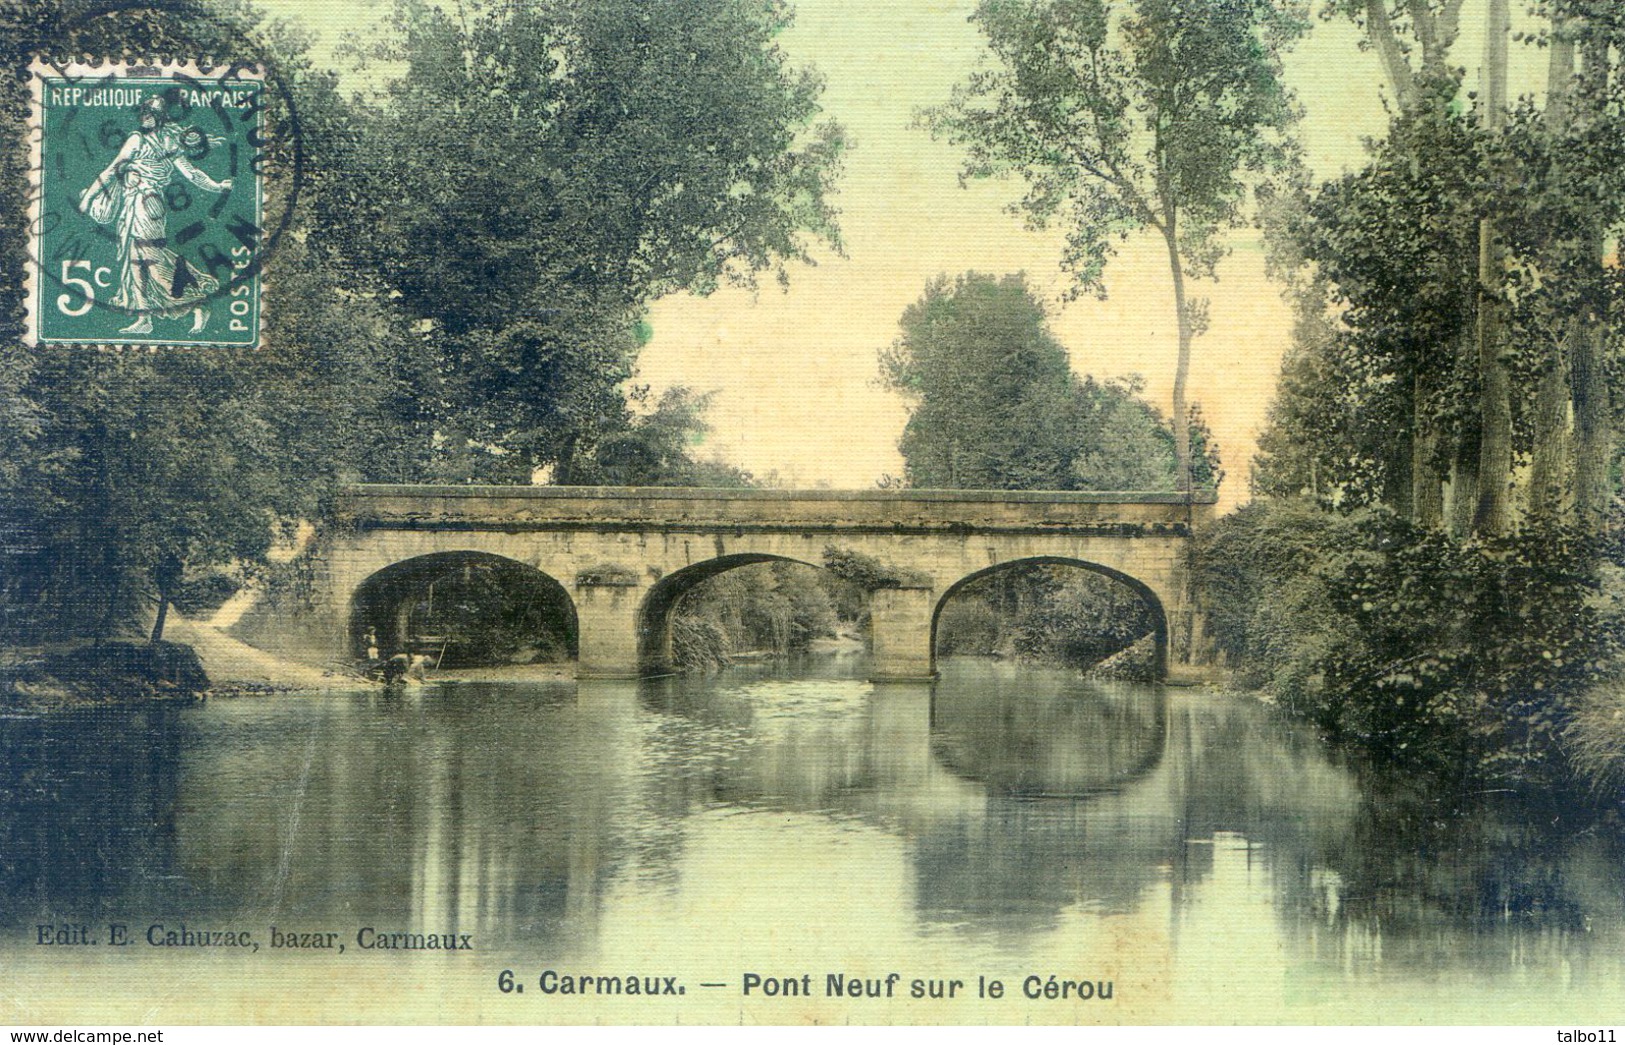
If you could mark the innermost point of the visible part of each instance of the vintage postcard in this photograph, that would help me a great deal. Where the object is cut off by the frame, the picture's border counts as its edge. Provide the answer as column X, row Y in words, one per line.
column 949, row 512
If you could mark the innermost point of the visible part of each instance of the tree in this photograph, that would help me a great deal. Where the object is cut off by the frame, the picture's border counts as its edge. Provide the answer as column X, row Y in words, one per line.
column 1450, row 370
column 1129, row 446
column 407, row 344
column 1472, row 320
column 994, row 403
column 538, row 173
column 1481, row 487
column 655, row 448
column 1582, row 121
column 1382, row 387
column 1152, row 116
column 1390, row 28
column 124, row 472
column 774, row 607
column 148, row 465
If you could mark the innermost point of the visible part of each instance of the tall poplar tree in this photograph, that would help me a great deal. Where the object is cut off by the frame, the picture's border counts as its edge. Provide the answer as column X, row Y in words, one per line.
column 1517, row 199
column 1127, row 117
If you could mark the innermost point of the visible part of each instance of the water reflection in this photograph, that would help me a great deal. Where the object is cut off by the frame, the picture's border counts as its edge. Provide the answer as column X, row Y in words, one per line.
column 1046, row 734
column 708, row 821
column 87, row 804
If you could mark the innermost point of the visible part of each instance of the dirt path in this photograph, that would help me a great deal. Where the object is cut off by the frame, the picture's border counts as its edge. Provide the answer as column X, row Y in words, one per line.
column 230, row 663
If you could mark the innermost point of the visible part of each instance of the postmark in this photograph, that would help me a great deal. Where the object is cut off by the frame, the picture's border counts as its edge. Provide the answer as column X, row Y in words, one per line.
column 147, row 212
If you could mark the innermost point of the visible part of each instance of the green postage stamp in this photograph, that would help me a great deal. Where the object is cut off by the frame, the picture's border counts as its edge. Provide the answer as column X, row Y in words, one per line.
column 146, row 212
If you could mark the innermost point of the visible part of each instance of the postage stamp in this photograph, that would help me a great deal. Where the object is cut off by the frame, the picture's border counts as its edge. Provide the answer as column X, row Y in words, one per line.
column 146, row 216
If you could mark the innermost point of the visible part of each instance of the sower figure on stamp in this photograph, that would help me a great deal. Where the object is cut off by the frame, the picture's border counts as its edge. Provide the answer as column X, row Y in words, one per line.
column 129, row 195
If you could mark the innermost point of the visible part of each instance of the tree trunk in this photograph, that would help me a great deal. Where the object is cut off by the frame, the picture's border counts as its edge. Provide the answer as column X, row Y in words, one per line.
column 564, row 470
column 163, row 616
column 1548, row 479
column 1464, row 484
column 1593, row 435
column 1399, row 478
column 1492, row 99
column 1559, row 76
column 1464, row 461
column 1435, row 31
column 1546, row 494
column 167, row 575
column 1380, row 31
column 1181, row 420
column 1495, row 392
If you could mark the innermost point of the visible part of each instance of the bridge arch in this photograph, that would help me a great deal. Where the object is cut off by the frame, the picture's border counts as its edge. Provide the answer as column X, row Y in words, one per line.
column 1153, row 603
column 655, row 612
column 385, row 602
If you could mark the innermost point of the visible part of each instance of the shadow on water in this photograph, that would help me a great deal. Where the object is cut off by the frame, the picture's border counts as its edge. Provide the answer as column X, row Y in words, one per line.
column 999, row 804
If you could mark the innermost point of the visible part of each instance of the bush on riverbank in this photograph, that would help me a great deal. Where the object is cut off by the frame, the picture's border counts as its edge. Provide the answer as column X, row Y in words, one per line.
column 1465, row 657
column 107, row 673
column 1596, row 736
column 1136, row 663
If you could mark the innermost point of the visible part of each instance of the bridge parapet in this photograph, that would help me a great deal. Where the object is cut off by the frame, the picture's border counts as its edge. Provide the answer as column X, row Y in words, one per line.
column 656, row 509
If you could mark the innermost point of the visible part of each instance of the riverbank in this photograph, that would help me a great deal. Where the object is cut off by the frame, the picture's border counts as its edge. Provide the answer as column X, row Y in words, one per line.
column 236, row 668
column 118, row 672
column 227, row 667
column 194, row 661
column 1596, row 737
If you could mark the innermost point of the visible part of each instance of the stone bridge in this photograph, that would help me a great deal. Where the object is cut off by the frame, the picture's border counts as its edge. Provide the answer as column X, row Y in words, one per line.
column 624, row 556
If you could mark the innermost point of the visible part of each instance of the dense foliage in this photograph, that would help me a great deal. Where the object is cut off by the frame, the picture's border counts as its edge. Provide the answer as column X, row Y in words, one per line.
column 1048, row 613
column 539, row 173
column 773, row 608
column 122, row 472
column 994, row 404
column 1382, row 399
column 1470, row 659
column 491, row 612
column 1431, row 577
column 458, row 296
column 1442, row 597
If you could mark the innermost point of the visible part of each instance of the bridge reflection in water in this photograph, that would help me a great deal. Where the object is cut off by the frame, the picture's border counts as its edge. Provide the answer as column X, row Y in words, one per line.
column 496, row 806
column 710, row 822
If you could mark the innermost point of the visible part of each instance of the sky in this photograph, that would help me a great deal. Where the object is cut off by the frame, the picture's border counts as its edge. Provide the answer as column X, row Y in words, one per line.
column 795, row 374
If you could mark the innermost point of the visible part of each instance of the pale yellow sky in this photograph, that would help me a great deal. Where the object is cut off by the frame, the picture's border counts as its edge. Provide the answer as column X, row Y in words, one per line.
column 794, row 372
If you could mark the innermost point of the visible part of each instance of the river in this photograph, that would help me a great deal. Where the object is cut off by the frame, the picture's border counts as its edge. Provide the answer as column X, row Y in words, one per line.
column 790, row 828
